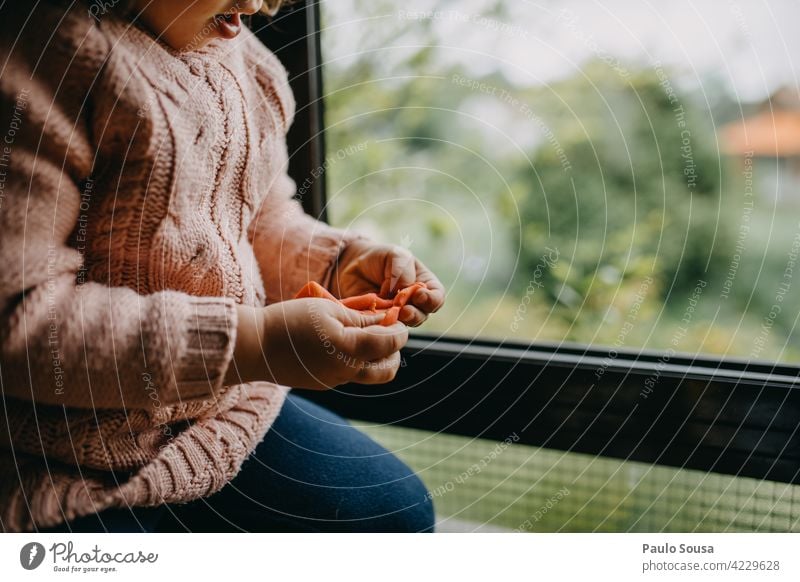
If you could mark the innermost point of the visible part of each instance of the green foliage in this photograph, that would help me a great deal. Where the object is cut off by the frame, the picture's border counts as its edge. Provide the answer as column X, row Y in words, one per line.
column 618, row 171
column 627, row 186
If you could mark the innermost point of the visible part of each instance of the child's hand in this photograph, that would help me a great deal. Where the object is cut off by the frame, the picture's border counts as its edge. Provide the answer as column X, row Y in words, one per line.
column 316, row 344
column 367, row 267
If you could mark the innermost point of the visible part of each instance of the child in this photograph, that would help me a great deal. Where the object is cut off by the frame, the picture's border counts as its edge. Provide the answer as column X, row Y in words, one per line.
column 151, row 251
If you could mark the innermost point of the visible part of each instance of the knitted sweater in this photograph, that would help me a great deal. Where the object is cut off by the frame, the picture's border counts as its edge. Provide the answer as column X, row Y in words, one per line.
column 143, row 193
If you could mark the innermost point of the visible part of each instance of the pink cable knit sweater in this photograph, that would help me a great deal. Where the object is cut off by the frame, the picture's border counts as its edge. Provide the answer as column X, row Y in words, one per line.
column 143, row 193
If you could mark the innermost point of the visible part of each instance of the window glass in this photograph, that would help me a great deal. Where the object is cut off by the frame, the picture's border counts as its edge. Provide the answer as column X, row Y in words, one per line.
column 622, row 173
column 480, row 485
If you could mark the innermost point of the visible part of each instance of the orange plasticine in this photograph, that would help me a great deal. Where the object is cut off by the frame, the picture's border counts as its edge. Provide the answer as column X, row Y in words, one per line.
column 371, row 302
column 314, row 289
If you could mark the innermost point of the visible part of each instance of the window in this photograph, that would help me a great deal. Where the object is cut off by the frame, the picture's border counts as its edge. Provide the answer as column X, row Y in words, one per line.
column 608, row 195
column 616, row 174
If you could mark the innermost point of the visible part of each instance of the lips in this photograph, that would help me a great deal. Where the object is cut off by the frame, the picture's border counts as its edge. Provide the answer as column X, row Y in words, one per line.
column 229, row 24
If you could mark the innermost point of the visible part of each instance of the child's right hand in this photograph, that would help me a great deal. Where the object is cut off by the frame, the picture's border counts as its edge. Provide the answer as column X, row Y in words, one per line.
column 314, row 343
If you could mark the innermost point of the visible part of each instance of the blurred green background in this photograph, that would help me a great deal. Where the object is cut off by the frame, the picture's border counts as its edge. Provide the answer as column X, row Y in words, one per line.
column 579, row 172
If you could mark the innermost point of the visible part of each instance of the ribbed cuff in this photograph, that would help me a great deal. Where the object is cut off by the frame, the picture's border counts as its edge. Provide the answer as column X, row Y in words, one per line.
column 316, row 261
column 210, row 336
column 346, row 238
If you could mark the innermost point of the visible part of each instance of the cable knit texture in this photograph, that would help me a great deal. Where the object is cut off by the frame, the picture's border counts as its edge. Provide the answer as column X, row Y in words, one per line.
column 144, row 194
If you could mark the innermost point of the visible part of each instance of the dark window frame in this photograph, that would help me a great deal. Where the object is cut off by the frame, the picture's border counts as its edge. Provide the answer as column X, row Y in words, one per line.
column 723, row 415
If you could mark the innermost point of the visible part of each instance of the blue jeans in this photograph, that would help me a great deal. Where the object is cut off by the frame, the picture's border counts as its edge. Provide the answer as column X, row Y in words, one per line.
column 313, row 472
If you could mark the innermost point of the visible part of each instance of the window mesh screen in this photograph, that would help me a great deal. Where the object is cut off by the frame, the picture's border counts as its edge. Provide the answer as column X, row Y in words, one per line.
column 481, row 485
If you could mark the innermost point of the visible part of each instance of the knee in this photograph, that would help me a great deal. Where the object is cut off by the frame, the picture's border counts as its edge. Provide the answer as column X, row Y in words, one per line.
column 424, row 518
column 407, row 506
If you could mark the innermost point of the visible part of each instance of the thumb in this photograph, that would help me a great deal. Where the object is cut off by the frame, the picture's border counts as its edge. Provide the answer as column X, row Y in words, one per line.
column 363, row 318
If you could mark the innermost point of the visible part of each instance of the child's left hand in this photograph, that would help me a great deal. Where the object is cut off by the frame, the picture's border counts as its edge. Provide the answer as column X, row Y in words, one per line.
column 368, row 267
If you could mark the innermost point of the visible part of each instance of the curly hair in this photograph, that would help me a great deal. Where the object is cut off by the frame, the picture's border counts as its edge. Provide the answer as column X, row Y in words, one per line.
column 271, row 7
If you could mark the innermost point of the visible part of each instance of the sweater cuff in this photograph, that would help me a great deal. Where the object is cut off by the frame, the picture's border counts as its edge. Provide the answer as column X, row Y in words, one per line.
column 324, row 249
column 210, row 336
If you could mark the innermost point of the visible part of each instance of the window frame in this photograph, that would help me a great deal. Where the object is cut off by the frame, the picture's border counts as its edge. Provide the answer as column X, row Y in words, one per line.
column 723, row 415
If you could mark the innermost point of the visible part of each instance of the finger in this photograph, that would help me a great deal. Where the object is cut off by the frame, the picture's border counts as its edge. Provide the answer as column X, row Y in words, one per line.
column 432, row 297
column 412, row 316
column 374, row 342
column 400, row 271
column 357, row 318
column 379, row 371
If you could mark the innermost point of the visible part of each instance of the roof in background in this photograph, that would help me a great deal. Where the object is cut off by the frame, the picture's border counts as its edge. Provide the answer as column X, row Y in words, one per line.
column 772, row 132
